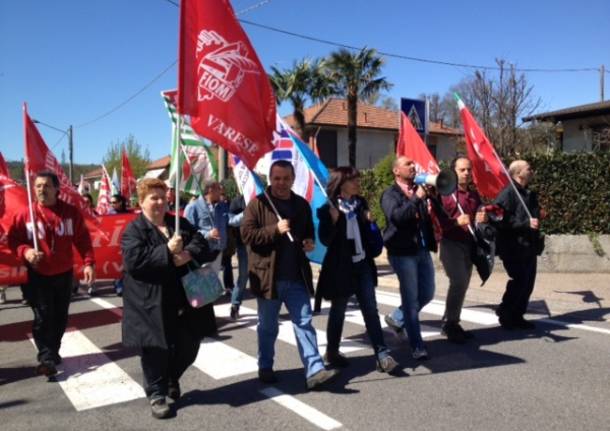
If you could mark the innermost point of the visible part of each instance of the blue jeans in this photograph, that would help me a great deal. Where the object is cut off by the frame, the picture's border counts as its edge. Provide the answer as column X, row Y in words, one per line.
column 242, row 278
column 295, row 296
column 416, row 278
column 365, row 293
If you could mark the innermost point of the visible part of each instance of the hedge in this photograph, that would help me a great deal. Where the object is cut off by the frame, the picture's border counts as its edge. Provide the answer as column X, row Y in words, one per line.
column 573, row 189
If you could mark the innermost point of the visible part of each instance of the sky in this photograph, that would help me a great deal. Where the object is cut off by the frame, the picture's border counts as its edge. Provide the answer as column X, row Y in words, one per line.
column 73, row 61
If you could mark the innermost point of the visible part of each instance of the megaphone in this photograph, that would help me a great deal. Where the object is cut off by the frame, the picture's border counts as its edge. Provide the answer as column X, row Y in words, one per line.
column 445, row 181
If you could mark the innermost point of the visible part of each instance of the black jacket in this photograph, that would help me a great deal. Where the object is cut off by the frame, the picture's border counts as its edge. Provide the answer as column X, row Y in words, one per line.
column 515, row 239
column 404, row 219
column 153, row 294
column 335, row 280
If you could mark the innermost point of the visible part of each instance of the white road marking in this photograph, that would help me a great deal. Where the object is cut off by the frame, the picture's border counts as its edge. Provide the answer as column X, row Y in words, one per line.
column 286, row 332
column 219, row 360
column 90, row 379
column 307, row 412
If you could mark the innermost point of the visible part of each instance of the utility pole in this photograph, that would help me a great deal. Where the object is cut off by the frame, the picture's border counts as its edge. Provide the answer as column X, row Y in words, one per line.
column 602, row 73
column 70, row 154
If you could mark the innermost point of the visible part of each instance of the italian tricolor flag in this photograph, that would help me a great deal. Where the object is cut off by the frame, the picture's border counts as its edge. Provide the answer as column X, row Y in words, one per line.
column 194, row 157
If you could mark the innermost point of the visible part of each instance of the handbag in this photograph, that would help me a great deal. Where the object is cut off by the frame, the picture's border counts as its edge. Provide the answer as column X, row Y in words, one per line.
column 201, row 285
column 374, row 239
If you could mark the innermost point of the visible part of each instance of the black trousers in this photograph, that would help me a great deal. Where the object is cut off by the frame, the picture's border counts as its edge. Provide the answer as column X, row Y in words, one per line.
column 522, row 277
column 227, row 273
column 49, row 297
column 162, row 366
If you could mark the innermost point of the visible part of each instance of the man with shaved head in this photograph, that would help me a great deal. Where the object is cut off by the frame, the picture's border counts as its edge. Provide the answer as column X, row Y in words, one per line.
column 409, row 239
column 518, row 243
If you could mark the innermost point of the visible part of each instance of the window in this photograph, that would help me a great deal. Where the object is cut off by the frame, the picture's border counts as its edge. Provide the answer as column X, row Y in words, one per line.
column 601, row 138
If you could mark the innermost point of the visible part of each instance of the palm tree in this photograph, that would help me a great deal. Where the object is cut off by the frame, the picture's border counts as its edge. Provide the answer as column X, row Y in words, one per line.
column 356, row 76
column 304, row 81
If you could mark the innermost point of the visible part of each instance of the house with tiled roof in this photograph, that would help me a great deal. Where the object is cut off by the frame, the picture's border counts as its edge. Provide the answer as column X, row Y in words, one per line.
column 377, row 134
column 158, row 168
column 579, row 128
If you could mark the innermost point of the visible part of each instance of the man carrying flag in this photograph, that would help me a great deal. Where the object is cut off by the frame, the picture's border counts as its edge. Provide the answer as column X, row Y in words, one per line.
column 519, row 244
column 57, row 227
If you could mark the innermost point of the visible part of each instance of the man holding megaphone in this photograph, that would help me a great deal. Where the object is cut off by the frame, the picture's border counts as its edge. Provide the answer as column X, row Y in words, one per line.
column 409, row 239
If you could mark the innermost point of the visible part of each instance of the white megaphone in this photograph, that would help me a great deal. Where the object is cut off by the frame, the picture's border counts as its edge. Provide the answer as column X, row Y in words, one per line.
column 445, row 181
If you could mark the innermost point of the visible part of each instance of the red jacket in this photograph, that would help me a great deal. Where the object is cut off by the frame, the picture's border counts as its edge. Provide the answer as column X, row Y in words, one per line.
column 58, row 228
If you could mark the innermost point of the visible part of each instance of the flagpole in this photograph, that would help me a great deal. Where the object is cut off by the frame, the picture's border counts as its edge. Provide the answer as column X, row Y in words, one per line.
column 177, row 188
column 27, row 177
column 31, row 209
column 277, row 213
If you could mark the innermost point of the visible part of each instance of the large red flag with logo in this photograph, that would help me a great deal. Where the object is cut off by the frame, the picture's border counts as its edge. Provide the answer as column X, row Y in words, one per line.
column 3, row 166
column 411, row 145
column 488, row 172
column 128, row 181
column 221, row 82
column 39, row 158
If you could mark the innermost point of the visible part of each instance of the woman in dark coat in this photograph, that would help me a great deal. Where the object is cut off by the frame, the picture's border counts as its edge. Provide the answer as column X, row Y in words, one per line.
column 157, row 318
column 348, row 266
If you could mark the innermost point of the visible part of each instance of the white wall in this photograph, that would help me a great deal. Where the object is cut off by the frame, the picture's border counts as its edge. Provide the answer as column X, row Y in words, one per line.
column 371, row 147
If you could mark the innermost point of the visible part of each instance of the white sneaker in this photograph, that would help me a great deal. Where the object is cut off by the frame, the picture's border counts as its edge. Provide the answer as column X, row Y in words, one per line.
column 420, row 353
column 2, row 296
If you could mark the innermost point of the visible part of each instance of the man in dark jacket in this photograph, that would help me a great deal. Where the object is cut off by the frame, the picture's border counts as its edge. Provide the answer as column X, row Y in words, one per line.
column 279, row 271
column 518, row 243
column 409, row 239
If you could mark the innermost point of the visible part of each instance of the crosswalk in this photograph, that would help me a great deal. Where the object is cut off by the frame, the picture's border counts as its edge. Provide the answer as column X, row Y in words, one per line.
column 91, row 379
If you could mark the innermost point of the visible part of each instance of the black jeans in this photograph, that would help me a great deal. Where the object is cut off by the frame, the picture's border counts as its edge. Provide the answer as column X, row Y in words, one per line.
column 522, row 277
column 227, row 272
column 162, row 366
column 49, row 297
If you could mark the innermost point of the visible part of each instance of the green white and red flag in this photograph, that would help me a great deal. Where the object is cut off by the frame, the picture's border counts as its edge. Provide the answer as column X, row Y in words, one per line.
column 192, row 154
column 488, row 172
column 222, row 84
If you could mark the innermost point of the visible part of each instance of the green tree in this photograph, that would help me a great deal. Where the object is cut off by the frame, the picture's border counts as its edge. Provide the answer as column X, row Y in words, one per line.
column 356, row 77
column 139, row 158
column 304, row 82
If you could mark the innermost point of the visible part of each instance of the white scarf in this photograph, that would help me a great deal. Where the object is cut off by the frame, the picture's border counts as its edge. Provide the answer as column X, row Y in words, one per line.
column 352, row 229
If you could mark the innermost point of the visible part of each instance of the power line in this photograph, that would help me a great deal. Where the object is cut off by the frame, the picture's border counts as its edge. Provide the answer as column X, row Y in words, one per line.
column 129, row 99
column 410, row 58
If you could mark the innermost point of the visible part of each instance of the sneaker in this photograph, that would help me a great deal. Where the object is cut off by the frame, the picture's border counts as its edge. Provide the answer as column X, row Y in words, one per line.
column 46, row 368
column 234, row 312
column 454, row 333
column 393, row 323
column 420, row 353
column 267, row 375
column 173, row 390
column 159, row 408
column 336, row 359
column 387, row 364
column 90, row 291
column 2, row 296
column 507, row 323
column 118, row 287
column 321, row 377
column 25, row 302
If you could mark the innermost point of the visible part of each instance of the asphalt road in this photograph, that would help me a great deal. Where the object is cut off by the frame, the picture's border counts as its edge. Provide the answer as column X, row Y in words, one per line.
column 554, row 378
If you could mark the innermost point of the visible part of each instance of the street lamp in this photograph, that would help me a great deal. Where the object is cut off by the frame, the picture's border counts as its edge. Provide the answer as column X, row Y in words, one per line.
column 68, row 133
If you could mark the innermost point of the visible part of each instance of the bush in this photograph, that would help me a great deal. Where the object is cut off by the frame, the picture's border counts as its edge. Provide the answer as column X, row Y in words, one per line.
column 573, row 189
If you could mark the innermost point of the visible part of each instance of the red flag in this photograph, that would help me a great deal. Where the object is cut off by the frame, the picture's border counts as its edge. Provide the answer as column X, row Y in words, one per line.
column 38, row 158
column 3, row 166
column 128, row 181
column 411, row 145
column 221, row 82
column 13, row 200
column 103, row 198
column 488, row 172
